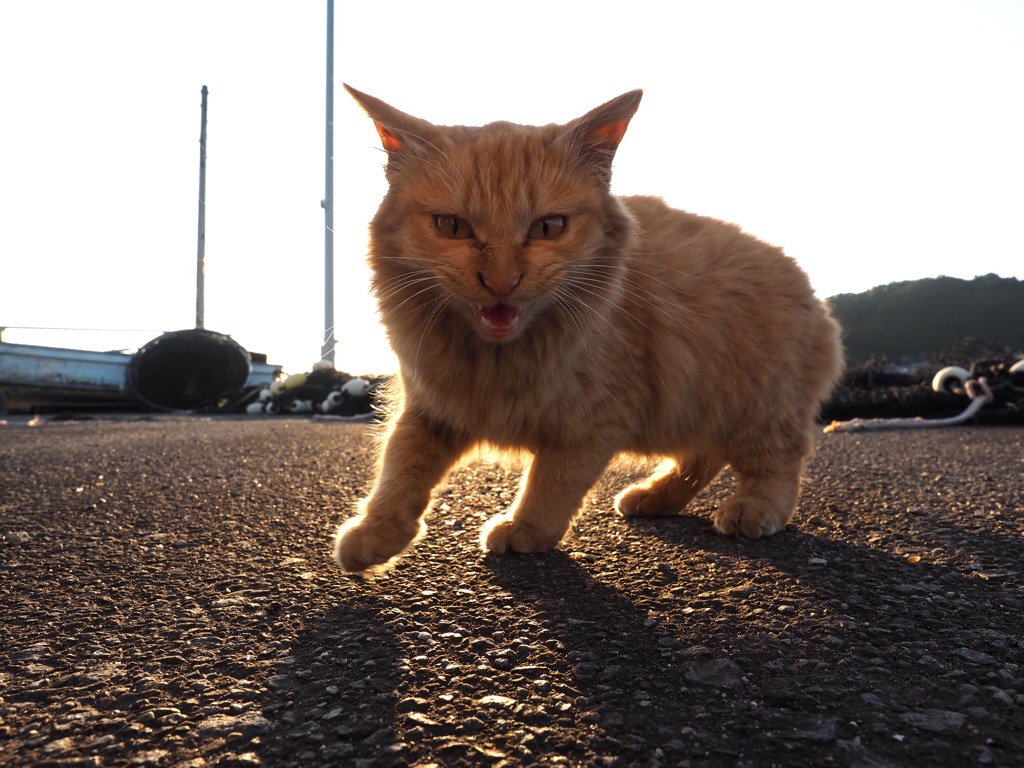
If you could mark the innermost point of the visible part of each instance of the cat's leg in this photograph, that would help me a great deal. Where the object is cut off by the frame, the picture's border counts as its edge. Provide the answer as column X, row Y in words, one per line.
column 764, row 501
column 550, row 496
column 670, row 489
column 416, row 458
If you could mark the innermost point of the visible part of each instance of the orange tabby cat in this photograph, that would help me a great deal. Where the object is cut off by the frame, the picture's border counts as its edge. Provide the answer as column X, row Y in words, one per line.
column 532, row 310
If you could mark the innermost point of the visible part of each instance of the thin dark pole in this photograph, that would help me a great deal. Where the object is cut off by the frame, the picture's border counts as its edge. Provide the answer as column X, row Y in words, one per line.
column 327, row 350
column 201, row 255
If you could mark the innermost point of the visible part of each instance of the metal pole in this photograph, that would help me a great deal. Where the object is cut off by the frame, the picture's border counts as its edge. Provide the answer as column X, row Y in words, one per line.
column 327, row 350
column 201, row 248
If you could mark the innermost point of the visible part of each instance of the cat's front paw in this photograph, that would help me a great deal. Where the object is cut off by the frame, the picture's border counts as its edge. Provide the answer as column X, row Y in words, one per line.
column 750, row 517
column 503, row 533
column 362, row 543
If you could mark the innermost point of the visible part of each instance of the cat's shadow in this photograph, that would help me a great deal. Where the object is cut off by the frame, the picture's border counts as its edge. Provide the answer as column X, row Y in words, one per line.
column 651, row 647
column 331, row 698
column 647, row 661
column 974, row 548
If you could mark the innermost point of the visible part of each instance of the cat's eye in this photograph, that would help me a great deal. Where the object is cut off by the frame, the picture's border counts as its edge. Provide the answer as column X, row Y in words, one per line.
column 452, row 227
column 547, row 228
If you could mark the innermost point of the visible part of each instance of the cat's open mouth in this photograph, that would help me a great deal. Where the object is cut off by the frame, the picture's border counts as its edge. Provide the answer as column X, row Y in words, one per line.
column 499, row 320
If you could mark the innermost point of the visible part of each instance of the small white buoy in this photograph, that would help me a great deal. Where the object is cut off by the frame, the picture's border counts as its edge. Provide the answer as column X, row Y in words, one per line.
column 256, row 407
column 356, row 387
column 300, row 406
column 293, row 381
column 950, row 378
column 332, row 401
column 265, row 394
column 271, row 407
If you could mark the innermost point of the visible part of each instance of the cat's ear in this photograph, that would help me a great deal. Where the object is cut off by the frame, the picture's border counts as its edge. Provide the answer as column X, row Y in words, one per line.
column 597, row 134
column 398, row 131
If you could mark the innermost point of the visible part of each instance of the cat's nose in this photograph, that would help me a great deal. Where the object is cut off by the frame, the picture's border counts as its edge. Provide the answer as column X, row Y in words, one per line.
column 500, row 284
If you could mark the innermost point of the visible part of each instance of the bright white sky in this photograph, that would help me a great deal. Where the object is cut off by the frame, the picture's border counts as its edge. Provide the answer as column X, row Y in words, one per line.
column 876, row 140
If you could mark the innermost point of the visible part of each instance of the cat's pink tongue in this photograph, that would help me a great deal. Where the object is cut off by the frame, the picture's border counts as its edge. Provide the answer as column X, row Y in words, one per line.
column 499, row 320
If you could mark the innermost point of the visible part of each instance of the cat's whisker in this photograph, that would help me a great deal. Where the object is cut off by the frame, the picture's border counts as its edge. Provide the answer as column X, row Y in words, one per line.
column 640, row 296
column 385, row 293
column 417, row 293
column 439, row 305
column 631, row 292
column 395, row 285
column 678, row 288
column 403, row 277
column 568, row 311
column 388, row 289
column 578, row 284
column 573, row 300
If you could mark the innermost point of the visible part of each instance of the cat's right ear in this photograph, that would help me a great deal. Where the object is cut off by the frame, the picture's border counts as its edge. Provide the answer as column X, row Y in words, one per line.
column 395, row 128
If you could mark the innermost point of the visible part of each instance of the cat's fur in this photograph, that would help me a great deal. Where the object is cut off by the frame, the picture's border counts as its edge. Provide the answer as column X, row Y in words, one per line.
column 639, row 329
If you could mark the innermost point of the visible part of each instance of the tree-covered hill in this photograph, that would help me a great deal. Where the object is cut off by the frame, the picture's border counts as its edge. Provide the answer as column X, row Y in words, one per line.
column 916, row 320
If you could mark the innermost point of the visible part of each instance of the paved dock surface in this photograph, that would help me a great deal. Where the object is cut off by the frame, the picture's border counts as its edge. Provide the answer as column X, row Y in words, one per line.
column 167, row 598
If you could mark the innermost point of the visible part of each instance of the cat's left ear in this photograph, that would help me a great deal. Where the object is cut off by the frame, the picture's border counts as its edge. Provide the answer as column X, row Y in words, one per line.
column 599, row 132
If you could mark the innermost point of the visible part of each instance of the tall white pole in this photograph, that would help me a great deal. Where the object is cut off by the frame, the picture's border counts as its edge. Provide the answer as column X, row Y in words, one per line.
column 201, row 248
column 327, row 350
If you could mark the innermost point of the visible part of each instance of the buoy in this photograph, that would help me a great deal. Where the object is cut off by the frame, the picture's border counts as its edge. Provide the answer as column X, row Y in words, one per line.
column 265, row 394
column 293, row 381
column 950, row 379
column 300, row 406
column 356, row 388
column 332, row 401
column 271, row 407
column 256, row 407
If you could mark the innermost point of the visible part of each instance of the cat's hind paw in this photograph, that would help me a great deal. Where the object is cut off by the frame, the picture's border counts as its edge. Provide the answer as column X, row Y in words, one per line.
column 749, row 517
column 503, row 533
column 362, row 544
column 641, row 500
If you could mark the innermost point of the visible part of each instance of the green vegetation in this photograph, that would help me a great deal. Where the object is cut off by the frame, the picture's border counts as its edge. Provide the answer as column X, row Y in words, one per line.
column 916, row 320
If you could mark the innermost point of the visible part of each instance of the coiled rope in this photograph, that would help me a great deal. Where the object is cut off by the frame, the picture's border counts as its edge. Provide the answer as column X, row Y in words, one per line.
column 977, row 389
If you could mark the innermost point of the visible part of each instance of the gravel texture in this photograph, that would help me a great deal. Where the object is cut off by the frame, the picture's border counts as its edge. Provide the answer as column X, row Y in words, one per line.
column 167, row 598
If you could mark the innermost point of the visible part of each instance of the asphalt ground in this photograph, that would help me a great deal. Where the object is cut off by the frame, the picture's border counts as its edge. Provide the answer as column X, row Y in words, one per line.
column 167, row 598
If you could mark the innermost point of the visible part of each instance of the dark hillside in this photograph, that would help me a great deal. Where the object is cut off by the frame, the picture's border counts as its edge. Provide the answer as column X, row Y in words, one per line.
column 916, row 320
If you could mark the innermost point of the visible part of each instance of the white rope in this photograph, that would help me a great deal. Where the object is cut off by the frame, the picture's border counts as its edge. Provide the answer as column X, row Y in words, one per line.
column 977, row 389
